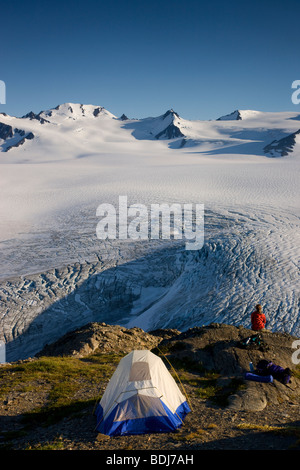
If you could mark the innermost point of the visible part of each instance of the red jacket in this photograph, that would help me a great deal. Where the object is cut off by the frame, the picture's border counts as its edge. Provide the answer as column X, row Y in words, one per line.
column 258, row 320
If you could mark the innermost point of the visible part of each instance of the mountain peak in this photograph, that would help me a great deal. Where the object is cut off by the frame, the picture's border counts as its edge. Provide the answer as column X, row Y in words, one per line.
column 234, row 116
column 76, row 111
column 239, row 114
column 31, row 115
column 170, row 112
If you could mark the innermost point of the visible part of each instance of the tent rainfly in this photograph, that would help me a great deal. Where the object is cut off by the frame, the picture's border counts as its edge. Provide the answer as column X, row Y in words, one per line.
column 141, row 397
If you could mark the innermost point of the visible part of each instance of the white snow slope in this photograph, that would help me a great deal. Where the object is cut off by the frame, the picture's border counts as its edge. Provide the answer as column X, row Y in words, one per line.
column 56, row 275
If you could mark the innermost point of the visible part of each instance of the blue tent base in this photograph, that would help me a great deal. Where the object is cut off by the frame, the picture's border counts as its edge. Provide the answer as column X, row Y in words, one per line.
column 258, row 378
column 168, row 422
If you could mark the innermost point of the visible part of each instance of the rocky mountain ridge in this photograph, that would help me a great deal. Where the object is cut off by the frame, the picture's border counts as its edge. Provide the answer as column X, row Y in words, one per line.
column 215, row 347
column 253, row 128
column 208, row 363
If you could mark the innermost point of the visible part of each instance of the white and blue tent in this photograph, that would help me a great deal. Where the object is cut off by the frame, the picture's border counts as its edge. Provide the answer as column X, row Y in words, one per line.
column 141, row 397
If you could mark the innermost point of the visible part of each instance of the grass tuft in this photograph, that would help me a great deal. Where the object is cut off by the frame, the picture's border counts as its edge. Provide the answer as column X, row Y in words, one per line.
column 70, row 384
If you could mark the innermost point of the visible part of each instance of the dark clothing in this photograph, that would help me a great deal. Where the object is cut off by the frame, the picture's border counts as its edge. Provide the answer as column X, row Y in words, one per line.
column 258, row 320
column 265, row 367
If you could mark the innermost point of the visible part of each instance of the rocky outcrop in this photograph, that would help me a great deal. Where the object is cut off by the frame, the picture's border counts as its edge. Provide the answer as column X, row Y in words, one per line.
column 28, row 136
column 170, row 132
column 217, row 347
column 234, row 116
column 31, row 115
column 282, row 147
column 6, row 131
column 97, row 111
column 101, row 337
column 212, row 348
column 13, row 137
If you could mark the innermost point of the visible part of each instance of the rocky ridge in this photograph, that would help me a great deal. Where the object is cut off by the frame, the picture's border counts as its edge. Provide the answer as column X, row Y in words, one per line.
column 216, row 347
column 251, row 410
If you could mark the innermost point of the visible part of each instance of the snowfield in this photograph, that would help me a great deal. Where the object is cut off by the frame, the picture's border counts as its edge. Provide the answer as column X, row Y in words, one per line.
column 57, row 167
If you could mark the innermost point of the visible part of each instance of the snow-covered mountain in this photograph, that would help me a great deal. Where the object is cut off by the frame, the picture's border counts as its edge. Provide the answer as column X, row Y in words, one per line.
column 238, row 115
column 167, row 126
column 91, row 127
column 57, row 166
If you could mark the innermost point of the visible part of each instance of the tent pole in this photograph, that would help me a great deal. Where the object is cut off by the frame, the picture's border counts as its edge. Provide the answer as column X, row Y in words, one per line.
column 177, row 377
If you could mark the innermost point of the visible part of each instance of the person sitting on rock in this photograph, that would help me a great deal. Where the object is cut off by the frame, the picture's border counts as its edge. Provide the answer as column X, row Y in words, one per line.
column 258, row 319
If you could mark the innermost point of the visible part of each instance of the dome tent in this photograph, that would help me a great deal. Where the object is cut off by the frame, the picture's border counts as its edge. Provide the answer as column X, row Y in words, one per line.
column 141, row 397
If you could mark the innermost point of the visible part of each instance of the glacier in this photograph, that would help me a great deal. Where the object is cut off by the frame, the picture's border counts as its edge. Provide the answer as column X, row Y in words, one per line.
column 56, row 275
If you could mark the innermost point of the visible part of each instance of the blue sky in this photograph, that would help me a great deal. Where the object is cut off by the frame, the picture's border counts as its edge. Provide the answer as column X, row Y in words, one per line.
column 201, row 58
